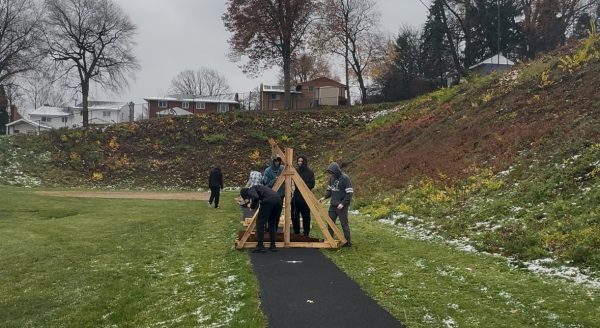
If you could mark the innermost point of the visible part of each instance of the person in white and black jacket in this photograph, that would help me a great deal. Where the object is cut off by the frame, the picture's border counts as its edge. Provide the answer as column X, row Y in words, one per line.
column 340, row 191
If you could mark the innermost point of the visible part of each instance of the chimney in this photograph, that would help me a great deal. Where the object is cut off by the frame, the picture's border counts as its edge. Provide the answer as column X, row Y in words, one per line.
column 14, row 114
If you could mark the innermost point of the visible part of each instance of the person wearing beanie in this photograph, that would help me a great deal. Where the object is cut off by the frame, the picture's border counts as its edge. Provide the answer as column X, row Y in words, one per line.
column 269, row 212
column 340, row 191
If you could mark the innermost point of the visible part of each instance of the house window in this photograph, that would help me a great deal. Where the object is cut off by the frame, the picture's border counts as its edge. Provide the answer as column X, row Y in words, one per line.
column 162, row 104
column 106, row 114
column 275, row 96
column 64, row 119
column 16, row 131
column 222, row 108
column 185, row 104
column 46, row 119
column 200, row 105
column 81, row 113
column 311, row 88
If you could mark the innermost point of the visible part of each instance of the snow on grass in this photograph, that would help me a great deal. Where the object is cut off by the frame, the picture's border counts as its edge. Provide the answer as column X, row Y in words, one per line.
column 414, row 229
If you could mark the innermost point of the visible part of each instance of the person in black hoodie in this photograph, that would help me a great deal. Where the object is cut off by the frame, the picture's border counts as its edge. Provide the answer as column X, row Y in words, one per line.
column 215, row 183
column 299, row 206
column 340, row 191
column 269, row 212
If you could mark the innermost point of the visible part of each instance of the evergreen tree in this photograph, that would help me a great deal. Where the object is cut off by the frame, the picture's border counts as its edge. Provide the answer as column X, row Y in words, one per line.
column 494, row 28
column 436, row 53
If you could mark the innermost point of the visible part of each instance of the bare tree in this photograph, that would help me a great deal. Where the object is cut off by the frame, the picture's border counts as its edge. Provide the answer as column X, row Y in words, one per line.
column 268, row 33
column 20, row 37
column 42, row 88
column 204, row 81
column 349, row 28
column 93, row 38
column 307, row 66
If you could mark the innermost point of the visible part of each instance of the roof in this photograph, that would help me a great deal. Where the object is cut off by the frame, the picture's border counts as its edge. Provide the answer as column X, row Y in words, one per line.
column 24, row 120
column 498, row 59
column 174, row 111
column 218, row 99
column 103, row 105
column 49, row 111
column 277, row 88
column 325, row 79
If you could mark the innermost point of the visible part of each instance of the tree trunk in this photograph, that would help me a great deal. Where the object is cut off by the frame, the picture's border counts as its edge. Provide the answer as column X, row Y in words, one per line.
column 287, row 96
column 85, row 91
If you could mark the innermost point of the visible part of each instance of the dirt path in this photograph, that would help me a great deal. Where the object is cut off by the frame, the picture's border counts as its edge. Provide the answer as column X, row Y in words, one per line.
column 128, row 195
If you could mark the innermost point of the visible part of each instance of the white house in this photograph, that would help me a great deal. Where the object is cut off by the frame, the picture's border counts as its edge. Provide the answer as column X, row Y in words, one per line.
column 53, row 117
column 104, row 112
column 25, row 126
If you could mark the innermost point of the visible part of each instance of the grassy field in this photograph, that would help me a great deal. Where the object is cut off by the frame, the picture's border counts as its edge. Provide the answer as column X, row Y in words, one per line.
column 430, row 284
column 70, row 262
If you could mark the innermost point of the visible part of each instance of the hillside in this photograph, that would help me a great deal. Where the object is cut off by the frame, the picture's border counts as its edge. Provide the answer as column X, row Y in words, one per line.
column 508, row 163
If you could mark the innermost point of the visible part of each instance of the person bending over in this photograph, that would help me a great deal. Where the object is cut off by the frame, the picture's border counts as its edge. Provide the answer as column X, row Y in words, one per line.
column 269, row 212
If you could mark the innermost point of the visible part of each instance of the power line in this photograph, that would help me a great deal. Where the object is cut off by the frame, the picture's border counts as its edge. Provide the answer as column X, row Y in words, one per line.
column 424, row 5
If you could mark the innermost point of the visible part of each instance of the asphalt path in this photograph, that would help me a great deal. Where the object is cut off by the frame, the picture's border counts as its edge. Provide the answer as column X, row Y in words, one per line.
column 303, row 288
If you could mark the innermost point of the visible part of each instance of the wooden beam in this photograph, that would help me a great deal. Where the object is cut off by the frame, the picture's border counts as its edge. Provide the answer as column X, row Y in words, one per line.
column 298, row 244
column 288, row 173
column 315, row 205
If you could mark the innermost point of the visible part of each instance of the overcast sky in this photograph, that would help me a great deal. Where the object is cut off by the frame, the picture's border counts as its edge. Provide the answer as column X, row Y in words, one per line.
column 175, row 35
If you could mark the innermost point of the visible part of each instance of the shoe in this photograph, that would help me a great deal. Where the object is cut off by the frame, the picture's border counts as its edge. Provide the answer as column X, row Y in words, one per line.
column 209, row 204
column 348, row 244
column 217, row 207
column 273, row 248
column 259, row 250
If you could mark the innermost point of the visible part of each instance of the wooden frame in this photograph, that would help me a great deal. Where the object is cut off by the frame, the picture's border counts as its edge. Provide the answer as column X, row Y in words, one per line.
column 318, row 213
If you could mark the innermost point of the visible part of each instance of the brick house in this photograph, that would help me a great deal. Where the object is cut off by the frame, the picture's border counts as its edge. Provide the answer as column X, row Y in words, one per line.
column 193, row 104
column 321, row 91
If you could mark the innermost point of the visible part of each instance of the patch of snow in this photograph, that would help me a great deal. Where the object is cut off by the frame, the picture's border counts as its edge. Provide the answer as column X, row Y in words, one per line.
column 449, row 322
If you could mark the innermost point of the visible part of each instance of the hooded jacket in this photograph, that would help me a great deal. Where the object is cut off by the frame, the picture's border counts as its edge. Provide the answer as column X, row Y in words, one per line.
column 215, row 179
column 308, row 176
column 272, row 172
column 339, row 187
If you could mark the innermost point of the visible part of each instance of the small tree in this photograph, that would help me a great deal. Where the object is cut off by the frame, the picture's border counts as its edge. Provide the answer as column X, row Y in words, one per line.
column 349, row 28
column 268, row 33
column 204, row 81
column 93, row 38
column 306, row 66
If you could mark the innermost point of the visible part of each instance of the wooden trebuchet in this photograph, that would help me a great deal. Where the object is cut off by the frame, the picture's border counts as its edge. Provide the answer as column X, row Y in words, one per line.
column 318, row 213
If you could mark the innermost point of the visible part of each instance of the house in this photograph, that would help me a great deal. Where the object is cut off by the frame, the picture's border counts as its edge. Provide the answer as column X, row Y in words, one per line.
column 103, row 112
column 492, row 64
column 52, row 117
column 25, row 126
column 99, row 112
column 321, row 91
column 193, row 104
column 175, row 111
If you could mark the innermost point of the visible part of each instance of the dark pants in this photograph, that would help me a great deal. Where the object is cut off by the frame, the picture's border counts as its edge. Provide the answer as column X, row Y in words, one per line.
column 215, row 194
column 269, row 213
column 334, row 213
column 301, row 209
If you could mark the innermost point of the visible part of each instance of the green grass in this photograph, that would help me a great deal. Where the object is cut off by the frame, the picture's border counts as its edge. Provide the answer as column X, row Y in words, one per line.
column 70, row 262
column 426, row 284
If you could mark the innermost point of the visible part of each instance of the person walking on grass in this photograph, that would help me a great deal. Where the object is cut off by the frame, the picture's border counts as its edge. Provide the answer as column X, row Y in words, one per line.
column 269, row 212
column 299, row 206
column 339, row 189
column 215, row 184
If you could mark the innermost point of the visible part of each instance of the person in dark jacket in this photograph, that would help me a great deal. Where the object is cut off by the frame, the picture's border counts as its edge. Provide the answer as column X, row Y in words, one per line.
column 299, row 206
column 269, row 212
column 215, row 183
column 340, row 191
